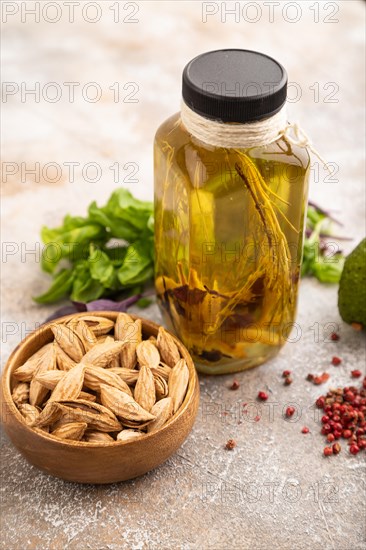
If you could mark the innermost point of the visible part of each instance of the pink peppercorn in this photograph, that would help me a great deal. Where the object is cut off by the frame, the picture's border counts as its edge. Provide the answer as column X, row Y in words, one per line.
column 356, row 373
column 354, row 449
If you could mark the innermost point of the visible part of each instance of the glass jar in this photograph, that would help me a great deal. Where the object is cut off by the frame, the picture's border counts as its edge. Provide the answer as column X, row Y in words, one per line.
column 230, row 202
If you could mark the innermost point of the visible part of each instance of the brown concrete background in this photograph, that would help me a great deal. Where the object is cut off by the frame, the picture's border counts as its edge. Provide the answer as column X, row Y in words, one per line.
column 275, row 490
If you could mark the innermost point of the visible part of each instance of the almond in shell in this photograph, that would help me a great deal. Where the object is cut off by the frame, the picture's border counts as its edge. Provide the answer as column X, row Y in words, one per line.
column 163, row 410
column 147, row 354
column 128, row 435
column 102, row 354
column 26, row 372
column 128, row 356
column 38, row 392
column 97, row 416
column 20, row 393
column 29, row 413
column 69, row 341
column 144, row 393
column 95, row 376
column 49, row 415
column 99, row 325
column 72, row 430
column 167, row 347
column 124, row 327
column 178, row 383
column 49, row 379
column 124, row 406
column 86, row 335
column 98, row 437
column 161, row 386
column 64, row 361
column 130, row 376
column 70, row 385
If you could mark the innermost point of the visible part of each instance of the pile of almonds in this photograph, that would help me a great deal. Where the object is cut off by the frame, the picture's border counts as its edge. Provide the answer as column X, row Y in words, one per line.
column 100, row 381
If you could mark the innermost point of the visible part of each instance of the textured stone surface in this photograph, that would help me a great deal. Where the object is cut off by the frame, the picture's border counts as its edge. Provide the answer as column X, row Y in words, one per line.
column 275, row 490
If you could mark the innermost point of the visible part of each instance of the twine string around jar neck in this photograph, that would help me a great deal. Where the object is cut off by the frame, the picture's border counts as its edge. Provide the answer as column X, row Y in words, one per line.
column 251, row 134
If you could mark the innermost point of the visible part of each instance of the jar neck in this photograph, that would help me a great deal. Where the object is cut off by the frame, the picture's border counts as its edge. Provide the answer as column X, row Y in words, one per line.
column 232, row 135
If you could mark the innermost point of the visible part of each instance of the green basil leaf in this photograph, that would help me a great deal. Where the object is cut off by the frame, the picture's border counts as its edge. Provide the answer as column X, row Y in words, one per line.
column 101, row 268
column 85, row 289
column 72, row 244
column 60, row 287
column 138, row 265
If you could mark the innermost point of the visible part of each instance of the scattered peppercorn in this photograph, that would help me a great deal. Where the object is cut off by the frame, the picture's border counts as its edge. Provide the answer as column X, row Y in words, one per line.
column 290, row 411
column 235, row 385
column 334, row 337
column 328, row 451
column 336, row 361
column 330, row 438
column 318, row 379
column 262, row 395
column 230, row 444
column 288, row 380
column 356, row 373
column 286, row 373
column 305, row 430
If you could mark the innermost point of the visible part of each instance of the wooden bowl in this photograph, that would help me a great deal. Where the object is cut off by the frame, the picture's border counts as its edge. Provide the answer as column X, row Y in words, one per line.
column 94, row 462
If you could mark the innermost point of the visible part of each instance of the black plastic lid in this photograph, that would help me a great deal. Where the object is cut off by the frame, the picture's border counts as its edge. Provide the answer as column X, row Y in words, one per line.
column 234, row 85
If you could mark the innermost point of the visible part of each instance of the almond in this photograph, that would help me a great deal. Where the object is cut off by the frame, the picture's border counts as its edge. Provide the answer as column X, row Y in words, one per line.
column 95, row 376
column 123, row 405
column 99, row 325
column 167, row 347
column 102, row 354
column 178, row 383
column 128, row 354
column 130, row 376
column 144, row 393
column 124, row 327
column 25, row 372
column 96, row 416
column 161, row 386
column 73, row 430
column 128, row 435
column 49, row 379
column 29, row 413
column 69, row 387
column 163, row 410
column 64, row 361
column 38, row 392
column 147, row 354
column 20, row 393
column 86, row 335
column 69, row 341
column 50, row 414
column 98, row 437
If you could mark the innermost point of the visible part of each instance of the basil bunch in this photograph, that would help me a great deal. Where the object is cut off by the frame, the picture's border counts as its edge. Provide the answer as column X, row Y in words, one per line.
column 107, row 253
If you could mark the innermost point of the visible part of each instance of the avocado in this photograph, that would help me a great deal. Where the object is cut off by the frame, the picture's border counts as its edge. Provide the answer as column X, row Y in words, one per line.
column 352, row 287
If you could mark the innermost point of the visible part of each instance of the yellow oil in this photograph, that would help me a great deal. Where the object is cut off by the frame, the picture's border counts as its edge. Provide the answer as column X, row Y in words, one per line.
column 228, row 243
